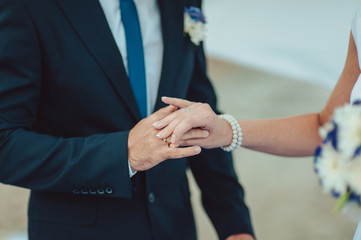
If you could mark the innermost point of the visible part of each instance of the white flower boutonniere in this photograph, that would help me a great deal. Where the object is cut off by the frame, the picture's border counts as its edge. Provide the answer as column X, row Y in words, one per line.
column 194, row 24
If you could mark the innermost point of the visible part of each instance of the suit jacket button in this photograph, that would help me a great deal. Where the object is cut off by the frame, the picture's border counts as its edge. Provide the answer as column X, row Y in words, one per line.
column 109, row 190
column 100, row 191
column 76, row 191
column 92, row 191
column 151, row 197
column 84, row 191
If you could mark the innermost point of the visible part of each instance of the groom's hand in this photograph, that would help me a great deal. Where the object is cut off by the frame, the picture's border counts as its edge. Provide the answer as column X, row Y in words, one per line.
column 145, row 150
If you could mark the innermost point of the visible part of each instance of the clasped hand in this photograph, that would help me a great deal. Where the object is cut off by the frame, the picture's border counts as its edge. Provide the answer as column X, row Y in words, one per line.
column 184, row 123
column 145, row 150
column 180, row 126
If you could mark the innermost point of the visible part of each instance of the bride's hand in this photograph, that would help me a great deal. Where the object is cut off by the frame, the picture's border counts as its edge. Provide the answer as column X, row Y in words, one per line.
column 190, row 117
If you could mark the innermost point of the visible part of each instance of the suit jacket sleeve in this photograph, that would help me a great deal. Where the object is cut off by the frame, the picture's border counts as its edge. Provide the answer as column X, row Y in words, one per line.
column 222, row 195
column 37, row 161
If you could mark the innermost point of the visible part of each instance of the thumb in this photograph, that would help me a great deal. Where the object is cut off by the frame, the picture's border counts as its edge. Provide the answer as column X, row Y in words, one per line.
column 180, row 103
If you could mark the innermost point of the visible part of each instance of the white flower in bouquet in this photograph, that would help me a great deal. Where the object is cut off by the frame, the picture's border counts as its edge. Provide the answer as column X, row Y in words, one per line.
column 330, row 170
column 353, row 175
column 348, row 119
column 324, row 130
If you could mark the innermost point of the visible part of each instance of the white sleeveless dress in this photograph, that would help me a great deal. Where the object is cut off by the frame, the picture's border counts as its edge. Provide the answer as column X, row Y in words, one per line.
column 356, row 91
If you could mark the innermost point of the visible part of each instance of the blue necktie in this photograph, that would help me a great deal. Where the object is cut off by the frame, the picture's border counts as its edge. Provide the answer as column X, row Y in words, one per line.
column 135, row 52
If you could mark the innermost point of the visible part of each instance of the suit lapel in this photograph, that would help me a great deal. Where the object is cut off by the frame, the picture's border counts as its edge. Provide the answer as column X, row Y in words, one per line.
column 173, row 39
column 88, row 20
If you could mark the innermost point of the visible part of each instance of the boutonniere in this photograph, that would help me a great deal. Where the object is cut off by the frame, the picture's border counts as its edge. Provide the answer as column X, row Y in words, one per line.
column 194, row 24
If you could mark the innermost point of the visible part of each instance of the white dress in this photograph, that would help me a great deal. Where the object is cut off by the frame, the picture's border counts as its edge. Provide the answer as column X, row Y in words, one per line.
column 356, row 91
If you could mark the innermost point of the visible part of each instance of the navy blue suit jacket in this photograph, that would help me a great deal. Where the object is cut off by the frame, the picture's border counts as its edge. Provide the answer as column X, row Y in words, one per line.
column 66, row 108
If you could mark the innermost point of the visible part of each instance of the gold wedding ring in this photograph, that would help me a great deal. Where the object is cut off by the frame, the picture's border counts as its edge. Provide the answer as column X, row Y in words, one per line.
column 167, row 142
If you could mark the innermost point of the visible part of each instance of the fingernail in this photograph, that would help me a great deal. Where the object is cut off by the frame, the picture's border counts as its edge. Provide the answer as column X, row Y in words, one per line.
column 175, row 145
column 160, row 134
column 156, row 124
column 197, row 149
column 172, row 140
column 205, row 133
column 164, row 97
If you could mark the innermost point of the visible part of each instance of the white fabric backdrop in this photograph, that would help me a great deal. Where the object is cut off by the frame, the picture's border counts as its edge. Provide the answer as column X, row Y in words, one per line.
column 305, row 40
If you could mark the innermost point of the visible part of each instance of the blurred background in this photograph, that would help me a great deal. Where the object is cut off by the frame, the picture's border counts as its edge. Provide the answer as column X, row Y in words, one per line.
column 267, row 58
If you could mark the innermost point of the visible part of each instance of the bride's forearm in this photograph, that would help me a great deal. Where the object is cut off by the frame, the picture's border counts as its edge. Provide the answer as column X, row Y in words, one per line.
column 298, row 136
column 293, row 136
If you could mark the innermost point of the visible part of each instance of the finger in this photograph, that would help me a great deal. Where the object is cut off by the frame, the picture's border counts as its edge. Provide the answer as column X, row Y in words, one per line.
column 180, row 129
column 195, row 134
column 166, row 120
column 167, row 131
column 174, row 153
column 173, row 145
column 181, row 103
column 162, row 113
column 165, row 110
column 190, row 142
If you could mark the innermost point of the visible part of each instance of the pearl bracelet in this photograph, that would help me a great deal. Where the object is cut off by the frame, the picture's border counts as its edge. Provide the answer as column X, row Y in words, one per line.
column 237, row 132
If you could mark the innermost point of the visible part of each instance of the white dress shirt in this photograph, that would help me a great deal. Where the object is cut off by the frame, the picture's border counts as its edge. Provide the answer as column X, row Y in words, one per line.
column 150, row 25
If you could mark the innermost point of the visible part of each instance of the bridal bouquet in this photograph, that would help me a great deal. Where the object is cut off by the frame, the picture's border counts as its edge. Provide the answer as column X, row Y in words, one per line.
column 338, row 160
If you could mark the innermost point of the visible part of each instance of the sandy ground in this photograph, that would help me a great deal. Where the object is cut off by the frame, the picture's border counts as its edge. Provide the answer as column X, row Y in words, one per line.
column 283, row 194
